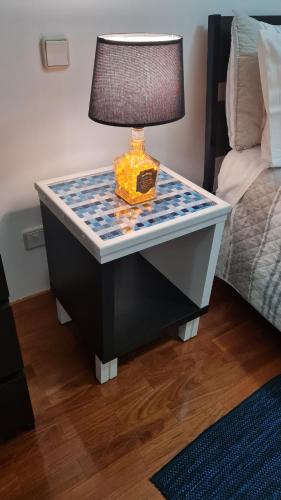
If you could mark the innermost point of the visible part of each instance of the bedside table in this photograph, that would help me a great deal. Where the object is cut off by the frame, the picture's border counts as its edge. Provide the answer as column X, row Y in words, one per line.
column 126, row 273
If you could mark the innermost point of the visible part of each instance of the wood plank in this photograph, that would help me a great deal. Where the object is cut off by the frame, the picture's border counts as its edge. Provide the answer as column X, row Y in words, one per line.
column 95, row 441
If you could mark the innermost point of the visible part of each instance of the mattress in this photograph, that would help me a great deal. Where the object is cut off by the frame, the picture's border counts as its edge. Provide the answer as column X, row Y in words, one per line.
column 250, row 255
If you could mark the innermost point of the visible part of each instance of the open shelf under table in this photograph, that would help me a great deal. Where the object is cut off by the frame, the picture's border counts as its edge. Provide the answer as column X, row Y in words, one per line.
column 146, row 303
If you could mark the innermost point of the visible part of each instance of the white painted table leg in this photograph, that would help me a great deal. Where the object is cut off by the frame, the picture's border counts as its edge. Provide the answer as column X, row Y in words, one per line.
column 63, row 317
column 106, row 371
column 189, row 330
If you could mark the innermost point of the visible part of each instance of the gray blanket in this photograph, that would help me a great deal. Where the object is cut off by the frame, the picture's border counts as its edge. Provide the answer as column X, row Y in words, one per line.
column 250, row 255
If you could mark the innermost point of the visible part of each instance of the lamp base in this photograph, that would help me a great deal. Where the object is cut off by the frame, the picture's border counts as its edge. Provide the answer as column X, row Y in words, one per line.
column 136, row 172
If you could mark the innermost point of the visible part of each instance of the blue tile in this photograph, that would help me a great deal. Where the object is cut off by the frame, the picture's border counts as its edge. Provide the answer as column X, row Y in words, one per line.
column 101, row 209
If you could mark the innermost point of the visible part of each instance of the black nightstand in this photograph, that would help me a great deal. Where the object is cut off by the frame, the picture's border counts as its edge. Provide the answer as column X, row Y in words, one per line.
column 16, row 411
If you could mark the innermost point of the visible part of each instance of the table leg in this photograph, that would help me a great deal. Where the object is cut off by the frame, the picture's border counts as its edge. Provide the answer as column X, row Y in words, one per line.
column 63, row 317
column 189, row 330
column 190, row 262
column 106, row 371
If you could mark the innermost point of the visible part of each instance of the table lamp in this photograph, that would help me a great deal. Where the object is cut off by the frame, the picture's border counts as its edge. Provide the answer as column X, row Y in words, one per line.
column 137, row 82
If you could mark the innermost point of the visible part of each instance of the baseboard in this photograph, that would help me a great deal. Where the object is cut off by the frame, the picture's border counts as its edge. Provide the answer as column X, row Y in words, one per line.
column 34, row 296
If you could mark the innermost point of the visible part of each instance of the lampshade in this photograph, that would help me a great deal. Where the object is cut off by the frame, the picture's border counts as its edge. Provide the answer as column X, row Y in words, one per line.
column 137, row 80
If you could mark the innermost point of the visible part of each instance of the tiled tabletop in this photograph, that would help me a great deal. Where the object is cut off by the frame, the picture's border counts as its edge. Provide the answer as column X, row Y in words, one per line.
column 92, row 199
column 85, row 203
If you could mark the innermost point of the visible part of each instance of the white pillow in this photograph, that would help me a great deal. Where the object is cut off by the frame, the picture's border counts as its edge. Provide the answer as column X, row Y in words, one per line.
column 244, row 102
column 269, row 53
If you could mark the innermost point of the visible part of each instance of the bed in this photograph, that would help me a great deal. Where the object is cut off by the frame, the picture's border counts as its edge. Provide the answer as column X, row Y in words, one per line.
column 250, row 256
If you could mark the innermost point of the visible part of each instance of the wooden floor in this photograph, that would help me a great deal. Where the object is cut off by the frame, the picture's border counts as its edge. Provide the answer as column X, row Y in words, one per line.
column 104, row 442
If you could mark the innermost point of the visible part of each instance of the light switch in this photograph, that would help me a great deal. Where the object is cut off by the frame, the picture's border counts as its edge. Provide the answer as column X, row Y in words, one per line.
column 55, row 53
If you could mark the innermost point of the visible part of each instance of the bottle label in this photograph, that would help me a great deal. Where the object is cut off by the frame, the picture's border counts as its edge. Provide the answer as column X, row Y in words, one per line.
column 146, row 180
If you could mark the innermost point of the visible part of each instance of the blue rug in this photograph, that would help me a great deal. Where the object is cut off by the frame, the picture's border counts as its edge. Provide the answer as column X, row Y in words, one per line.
column 239, row 457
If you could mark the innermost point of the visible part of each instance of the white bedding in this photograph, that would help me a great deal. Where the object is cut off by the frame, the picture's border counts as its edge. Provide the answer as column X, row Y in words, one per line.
column 250, row 255
column 238, row 171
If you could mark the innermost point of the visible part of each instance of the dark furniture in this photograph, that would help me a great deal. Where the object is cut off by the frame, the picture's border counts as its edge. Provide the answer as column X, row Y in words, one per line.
column 16, row 411
column 216, row 134
column 109, row 303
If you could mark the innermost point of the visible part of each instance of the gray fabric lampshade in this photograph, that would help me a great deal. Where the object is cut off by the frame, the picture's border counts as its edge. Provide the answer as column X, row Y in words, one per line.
column 137, row 80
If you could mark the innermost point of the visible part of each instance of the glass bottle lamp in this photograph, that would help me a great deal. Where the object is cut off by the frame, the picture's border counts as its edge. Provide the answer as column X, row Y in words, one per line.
column 136, row 172
column 137, row 82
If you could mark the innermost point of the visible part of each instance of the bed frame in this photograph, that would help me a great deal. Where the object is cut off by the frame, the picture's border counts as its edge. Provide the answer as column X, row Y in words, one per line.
column 216, row 135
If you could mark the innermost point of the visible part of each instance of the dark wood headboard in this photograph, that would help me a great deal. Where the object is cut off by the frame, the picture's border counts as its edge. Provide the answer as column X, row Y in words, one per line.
column 216, row 135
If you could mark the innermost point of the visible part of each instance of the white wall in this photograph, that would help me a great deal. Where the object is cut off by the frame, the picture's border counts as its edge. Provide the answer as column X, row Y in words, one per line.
column 44, row 127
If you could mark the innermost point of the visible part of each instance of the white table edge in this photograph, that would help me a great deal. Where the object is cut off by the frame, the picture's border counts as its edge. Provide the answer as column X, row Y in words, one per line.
column 105, row 251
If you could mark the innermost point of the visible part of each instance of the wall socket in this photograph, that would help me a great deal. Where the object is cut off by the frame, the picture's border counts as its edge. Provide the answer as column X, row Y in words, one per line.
column 33, row 238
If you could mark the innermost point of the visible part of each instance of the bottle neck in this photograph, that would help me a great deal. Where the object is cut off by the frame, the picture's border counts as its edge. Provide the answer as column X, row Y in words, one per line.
column 137, row 140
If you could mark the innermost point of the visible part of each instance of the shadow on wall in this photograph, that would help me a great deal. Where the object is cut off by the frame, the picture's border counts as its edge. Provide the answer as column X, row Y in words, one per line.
column 186, row 143
column 196, row 99
column 26, row 270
